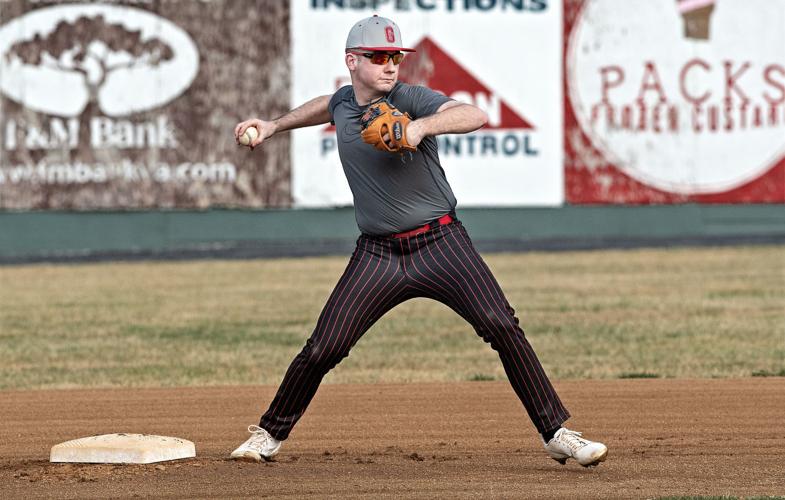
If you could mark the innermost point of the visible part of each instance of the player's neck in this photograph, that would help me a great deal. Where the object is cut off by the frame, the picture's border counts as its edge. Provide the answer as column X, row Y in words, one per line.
column 365, row 96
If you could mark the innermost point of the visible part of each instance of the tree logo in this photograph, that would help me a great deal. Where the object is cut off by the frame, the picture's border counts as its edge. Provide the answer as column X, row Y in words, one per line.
column 65, row 59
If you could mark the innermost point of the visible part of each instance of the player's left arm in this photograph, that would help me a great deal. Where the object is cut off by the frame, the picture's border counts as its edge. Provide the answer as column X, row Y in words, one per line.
column 452, row 117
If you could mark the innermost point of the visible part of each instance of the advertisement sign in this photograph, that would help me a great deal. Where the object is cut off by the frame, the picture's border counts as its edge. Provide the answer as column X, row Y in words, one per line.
column 501, row 56
column 133, row 104
column 674, row 100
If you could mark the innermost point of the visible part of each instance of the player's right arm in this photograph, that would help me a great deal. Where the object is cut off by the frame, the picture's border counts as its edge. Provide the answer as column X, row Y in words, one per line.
column 313, row 112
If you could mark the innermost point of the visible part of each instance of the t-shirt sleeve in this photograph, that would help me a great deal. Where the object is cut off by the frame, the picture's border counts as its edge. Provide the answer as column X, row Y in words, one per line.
column 419, row 101
column 336, row 99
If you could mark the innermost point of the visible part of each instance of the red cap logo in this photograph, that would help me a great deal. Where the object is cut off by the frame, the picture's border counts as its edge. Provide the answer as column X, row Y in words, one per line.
column 390, row 33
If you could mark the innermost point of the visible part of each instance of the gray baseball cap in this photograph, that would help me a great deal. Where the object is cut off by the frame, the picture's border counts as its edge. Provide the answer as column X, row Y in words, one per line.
column 375, row 33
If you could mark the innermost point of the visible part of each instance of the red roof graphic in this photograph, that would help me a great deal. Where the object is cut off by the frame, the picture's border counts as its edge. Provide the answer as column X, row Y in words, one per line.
column 434, row 68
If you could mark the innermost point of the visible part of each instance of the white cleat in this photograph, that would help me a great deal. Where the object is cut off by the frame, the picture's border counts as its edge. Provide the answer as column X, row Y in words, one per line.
column 569, row 444
column 260, row 446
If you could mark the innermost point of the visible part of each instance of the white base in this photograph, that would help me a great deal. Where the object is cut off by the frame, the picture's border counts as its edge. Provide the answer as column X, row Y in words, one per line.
column 122, row 449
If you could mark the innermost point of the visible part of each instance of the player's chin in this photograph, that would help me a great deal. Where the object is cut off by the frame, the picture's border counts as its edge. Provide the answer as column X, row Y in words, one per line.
column 385, row 85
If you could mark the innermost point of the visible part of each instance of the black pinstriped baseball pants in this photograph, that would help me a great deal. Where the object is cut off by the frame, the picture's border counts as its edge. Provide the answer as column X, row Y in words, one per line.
column 440, row 264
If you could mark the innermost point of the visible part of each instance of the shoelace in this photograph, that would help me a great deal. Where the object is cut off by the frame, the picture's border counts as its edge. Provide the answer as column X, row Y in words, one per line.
column 572, row 439
column 259, row 436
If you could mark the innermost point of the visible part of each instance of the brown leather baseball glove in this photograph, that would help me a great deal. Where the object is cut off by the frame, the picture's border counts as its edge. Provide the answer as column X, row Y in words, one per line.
column 384, row 127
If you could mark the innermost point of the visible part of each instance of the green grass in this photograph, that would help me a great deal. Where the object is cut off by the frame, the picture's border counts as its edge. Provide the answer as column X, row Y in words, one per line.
column 710, row 312
column 639, row 375
column 766, row 373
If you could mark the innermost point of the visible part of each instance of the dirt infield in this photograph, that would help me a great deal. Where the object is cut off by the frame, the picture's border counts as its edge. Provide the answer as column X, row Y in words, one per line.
column 461, row 440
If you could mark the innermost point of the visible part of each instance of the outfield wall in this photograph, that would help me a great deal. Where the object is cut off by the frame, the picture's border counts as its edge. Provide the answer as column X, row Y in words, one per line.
column 69, row 236
column 131, row 104
column 116, row 122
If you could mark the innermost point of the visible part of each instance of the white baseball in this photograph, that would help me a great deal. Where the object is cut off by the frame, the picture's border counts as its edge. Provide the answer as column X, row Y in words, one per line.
column 249, row 136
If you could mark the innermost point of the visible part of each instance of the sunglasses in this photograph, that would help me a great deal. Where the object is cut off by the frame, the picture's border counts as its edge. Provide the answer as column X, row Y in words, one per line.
column 382, row 58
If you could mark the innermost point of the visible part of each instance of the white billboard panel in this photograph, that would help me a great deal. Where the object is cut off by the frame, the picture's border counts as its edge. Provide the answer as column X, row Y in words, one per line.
column 503, row 56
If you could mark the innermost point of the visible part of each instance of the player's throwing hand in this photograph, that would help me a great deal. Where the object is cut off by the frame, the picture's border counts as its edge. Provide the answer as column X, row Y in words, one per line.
column 265, row 128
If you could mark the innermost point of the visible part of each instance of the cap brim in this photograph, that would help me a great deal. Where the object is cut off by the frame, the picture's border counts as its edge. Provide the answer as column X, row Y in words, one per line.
column 382, row 49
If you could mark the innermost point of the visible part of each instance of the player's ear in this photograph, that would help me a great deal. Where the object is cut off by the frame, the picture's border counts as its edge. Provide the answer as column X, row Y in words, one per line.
column 351, row 61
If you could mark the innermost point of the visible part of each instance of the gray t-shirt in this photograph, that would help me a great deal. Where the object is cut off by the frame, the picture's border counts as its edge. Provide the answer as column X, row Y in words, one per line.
column 392, row 193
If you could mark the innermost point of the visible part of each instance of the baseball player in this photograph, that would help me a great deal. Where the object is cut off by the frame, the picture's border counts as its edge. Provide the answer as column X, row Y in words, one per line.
column 411, row 243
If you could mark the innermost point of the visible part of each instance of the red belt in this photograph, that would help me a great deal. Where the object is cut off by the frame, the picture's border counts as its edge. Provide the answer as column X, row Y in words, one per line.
column 442, row 221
